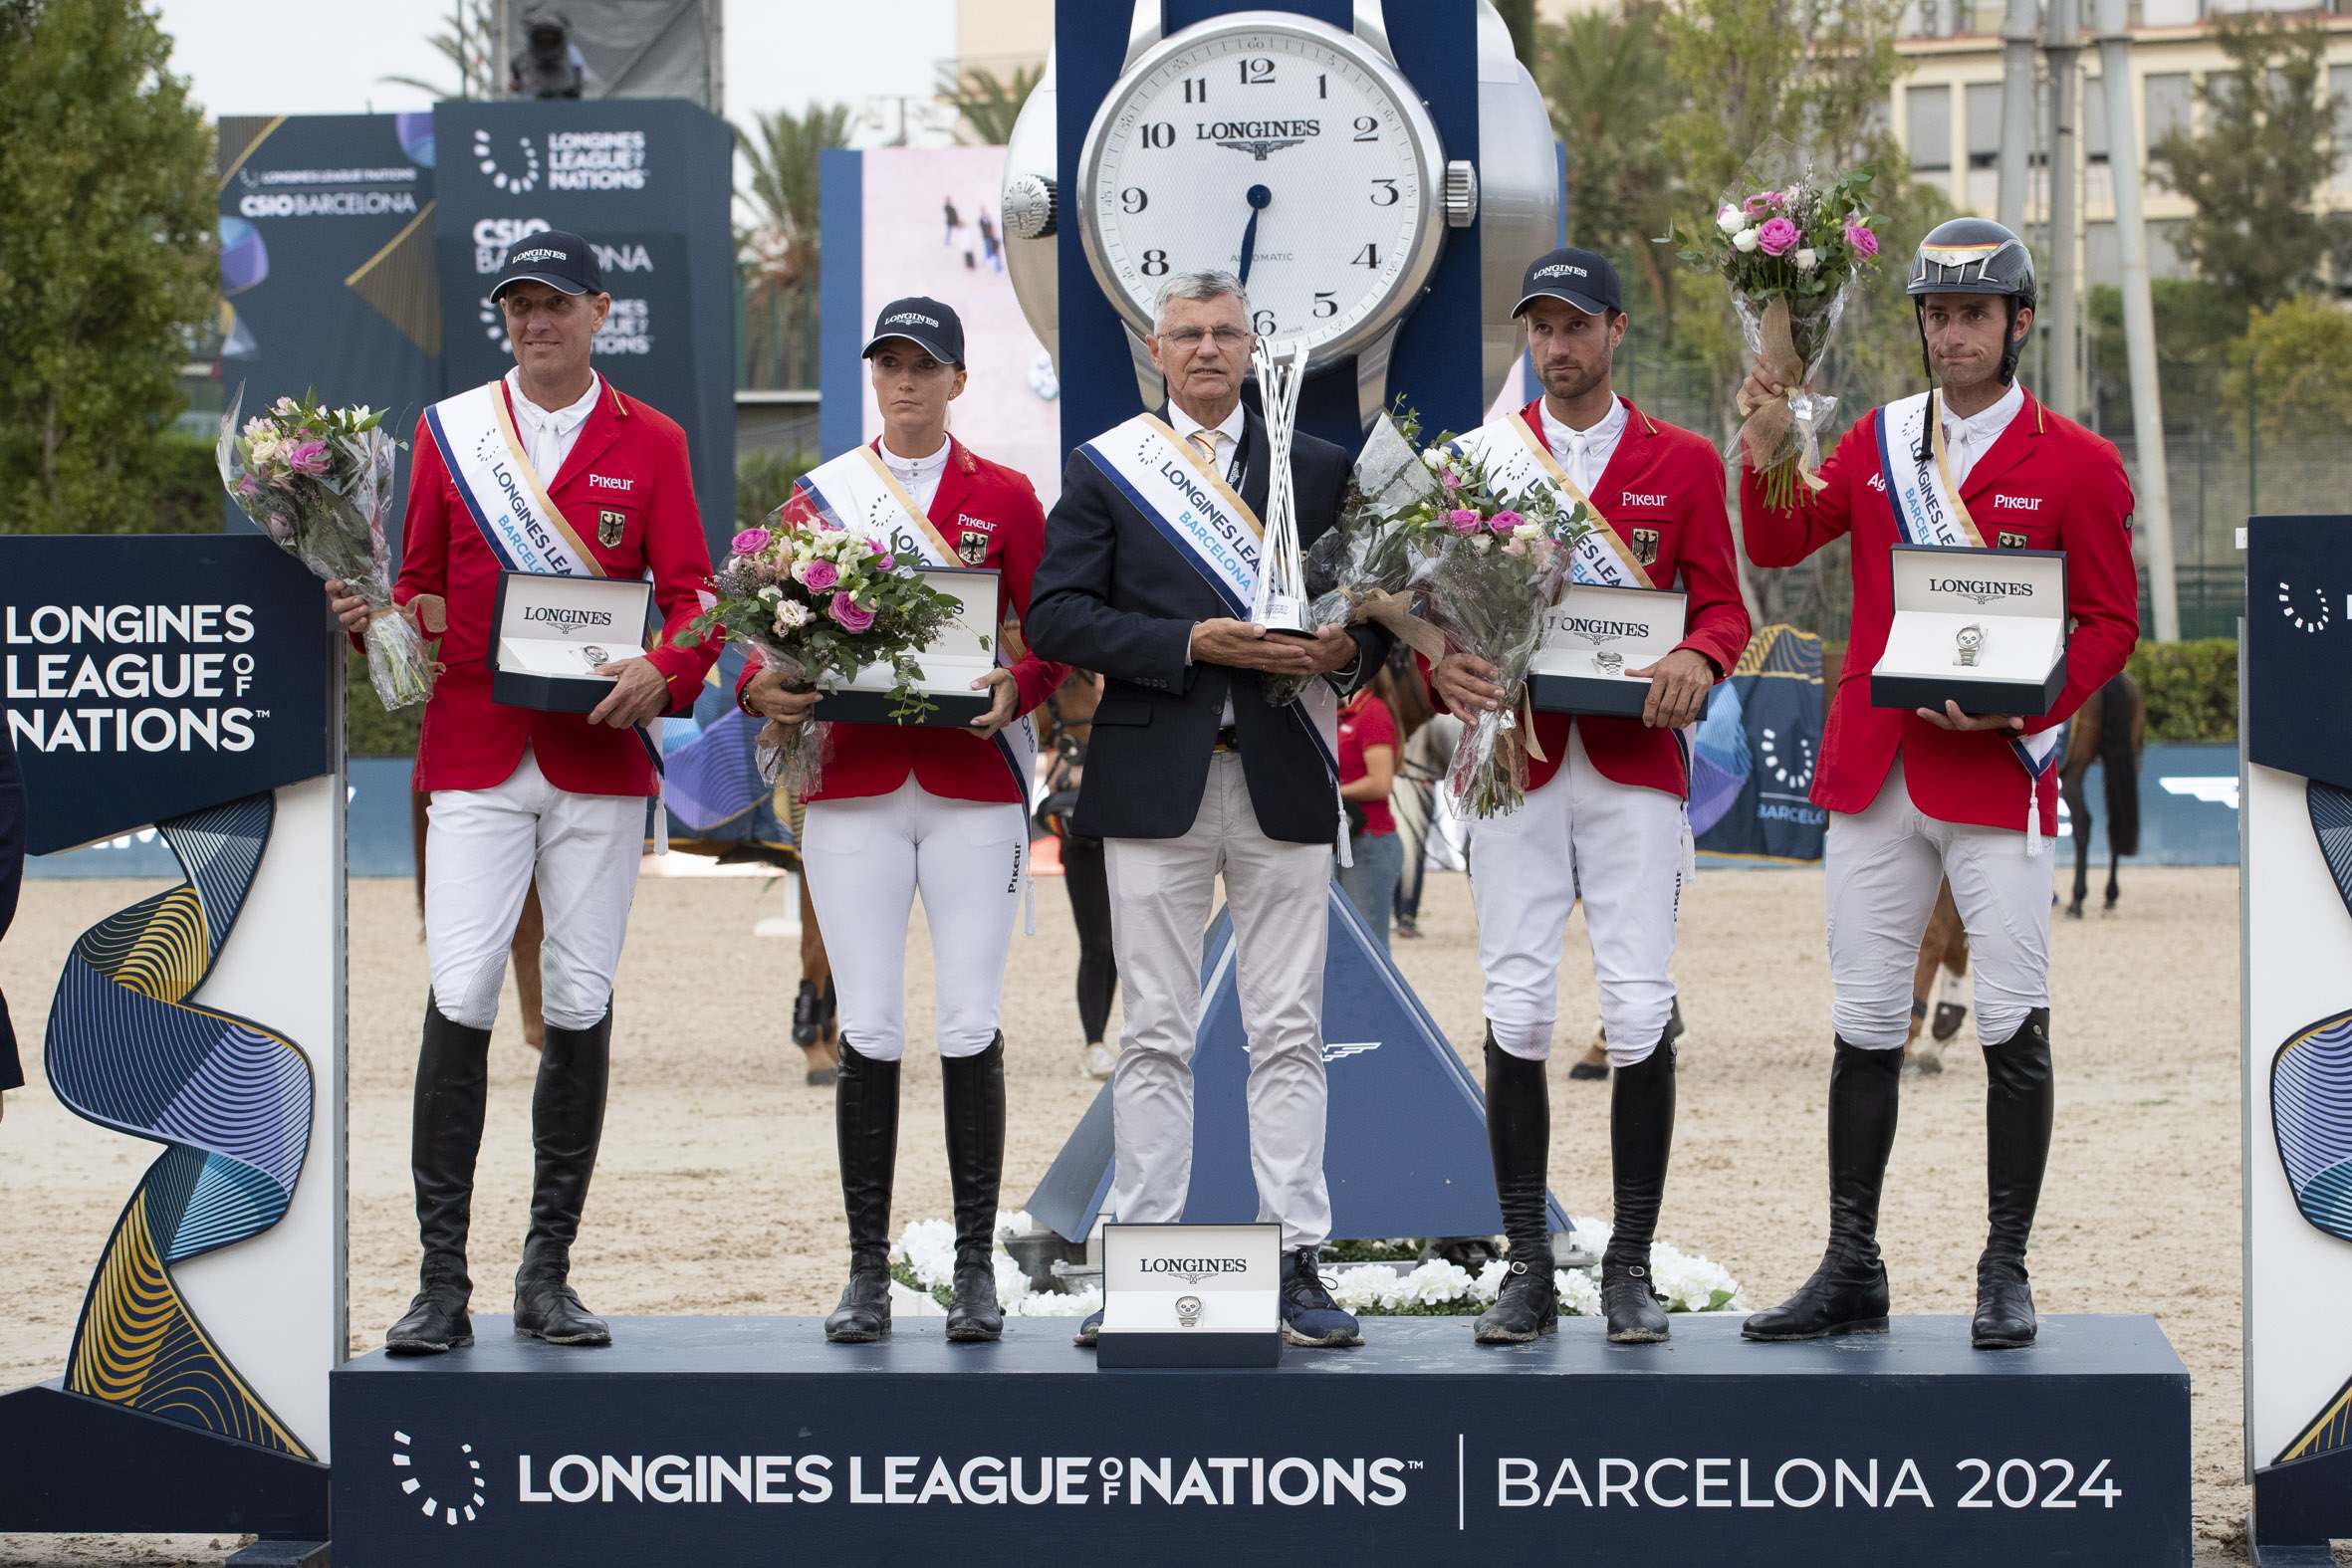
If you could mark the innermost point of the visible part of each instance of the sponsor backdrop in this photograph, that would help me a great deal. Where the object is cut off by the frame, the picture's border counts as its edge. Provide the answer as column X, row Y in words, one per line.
column 2297, row 999
column 647, row 181
column 193, row 691
column 326, row 266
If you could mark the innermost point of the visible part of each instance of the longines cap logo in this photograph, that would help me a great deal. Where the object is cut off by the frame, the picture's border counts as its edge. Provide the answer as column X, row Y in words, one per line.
column 1560, row 270
column 440, row 1481
column 910, row 318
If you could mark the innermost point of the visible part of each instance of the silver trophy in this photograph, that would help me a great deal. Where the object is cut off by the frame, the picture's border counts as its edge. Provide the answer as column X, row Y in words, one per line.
column 1281, row 568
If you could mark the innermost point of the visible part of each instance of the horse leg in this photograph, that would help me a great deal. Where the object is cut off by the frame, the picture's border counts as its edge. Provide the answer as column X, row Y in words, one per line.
column 2078, row 807
column 2114, row 886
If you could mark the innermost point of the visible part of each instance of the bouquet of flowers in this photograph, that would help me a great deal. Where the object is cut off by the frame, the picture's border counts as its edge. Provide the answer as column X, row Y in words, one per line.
column 316, row 479
column 818, row 603
column 1791, row 248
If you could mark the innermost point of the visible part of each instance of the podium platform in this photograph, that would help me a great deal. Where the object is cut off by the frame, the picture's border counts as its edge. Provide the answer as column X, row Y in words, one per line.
column 741, row 1440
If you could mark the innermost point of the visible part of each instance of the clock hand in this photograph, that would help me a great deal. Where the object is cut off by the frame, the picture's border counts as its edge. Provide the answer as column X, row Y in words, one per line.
column 1259, row 197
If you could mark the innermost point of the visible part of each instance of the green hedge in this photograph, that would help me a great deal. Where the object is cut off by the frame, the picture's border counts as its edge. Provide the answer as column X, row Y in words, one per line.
column 371, row 730
column 2191, row 687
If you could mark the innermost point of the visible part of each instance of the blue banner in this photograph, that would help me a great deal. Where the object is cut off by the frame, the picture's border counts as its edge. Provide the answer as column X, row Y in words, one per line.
column 1755, row 750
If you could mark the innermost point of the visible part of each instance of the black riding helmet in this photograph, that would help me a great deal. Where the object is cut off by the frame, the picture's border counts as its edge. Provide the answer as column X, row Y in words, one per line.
column 1973, row 256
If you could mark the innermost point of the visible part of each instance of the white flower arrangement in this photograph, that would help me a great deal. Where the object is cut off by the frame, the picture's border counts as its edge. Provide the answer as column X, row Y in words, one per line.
column 924, row 1268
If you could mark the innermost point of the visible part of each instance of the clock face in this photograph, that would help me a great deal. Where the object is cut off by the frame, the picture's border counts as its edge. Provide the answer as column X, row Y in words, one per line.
column 1280, row 150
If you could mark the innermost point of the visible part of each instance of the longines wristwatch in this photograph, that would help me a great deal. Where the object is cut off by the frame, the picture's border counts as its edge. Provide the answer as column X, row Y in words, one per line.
column 1970, row 638
column 1610, row 663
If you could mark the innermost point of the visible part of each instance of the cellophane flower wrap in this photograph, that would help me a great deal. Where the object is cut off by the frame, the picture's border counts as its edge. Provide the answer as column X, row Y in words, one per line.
column 1374, row 561
column 316, row 479
column 1503, row 563
column 1792, row 245
column 818, row 602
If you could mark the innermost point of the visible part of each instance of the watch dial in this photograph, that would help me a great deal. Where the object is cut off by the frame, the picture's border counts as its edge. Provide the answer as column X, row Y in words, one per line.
column 1271, row 155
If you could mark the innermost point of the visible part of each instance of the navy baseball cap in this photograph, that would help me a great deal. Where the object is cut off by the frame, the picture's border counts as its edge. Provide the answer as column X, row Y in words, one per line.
column 1585, row 279
column 924, row 321
column 555, row 256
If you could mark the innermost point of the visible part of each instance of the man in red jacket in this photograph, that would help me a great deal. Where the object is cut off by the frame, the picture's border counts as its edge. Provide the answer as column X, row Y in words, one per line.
column 550, row 469
column 1604, row 817
column 1917, row 796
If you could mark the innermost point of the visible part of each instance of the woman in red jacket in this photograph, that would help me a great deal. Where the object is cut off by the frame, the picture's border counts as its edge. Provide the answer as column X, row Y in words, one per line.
column 899, row 808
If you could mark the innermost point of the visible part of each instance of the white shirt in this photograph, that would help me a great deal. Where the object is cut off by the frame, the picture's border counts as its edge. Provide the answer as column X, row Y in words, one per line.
column 1584, row 454
column 549, row 436
column 918, row 475
column 1227, row 434
column 1966, row 440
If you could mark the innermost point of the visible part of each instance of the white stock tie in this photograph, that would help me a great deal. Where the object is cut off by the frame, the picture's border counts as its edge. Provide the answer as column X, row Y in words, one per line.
column 1578, row 445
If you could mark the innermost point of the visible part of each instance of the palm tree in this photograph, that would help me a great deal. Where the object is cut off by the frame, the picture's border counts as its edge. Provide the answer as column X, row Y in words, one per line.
column 468, row 43
column 989, row 103
column 1622, row 181
column 777, row 253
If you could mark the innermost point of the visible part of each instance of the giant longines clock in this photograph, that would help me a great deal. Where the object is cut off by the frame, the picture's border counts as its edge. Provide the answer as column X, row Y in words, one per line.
column 1289, row 152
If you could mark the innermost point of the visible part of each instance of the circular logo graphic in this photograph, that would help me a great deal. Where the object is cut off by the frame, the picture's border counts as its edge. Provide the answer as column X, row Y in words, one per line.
column 1792, row 773
column 446, row 1478
column 2315, row 622
column 494, row 326
column 513, row 182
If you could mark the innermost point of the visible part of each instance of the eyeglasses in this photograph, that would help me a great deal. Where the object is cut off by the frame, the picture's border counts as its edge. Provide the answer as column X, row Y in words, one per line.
column 1190, row 336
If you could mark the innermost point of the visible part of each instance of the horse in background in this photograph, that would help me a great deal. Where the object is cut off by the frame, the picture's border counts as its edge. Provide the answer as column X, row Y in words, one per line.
column 2111, row 728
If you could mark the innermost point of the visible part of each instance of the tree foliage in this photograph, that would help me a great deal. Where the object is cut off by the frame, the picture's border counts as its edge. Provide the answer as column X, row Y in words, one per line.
column 987, row 103
column 2266, row 145
column 107, row 261
column 777, row 252
column 2293, row 369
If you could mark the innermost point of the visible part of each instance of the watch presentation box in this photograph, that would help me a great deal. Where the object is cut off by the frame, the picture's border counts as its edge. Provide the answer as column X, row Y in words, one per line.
column 962, row 653
column 1191, row 1295
column 1985, row 628
column 1592, row 636
column 555, row 632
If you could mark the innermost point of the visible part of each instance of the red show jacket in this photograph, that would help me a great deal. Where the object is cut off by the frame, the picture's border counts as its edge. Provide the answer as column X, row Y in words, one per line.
column 989, row 514
column 2045, row 484
column 630, row 462
column 1660, row 477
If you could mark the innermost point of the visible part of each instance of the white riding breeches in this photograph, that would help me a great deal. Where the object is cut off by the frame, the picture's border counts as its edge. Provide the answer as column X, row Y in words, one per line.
column 865, row 859
column 1884, row 864
column 483, row 850
column 1621, row 848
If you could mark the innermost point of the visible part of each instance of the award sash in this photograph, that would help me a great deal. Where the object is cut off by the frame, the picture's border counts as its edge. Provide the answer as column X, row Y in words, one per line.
column 1188, row 503
column 1929, row 510
column 1517, row 461
column 475, row 434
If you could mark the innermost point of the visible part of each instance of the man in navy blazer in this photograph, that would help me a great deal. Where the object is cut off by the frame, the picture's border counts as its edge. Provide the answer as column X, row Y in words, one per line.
column 1191, row 773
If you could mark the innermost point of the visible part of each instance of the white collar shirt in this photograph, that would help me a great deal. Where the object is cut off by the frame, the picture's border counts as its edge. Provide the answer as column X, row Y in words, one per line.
column 1584, row 454
column 1227, row 434
column 918, row 476
column 1966, row 440
column 549, row 435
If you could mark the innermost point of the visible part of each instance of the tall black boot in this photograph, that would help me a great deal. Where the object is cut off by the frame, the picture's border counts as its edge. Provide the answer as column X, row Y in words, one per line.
column 1518, row 1135
column 1848, row 1292
column 444, row 1135
column 975, row 1168
column 2019, row 1093
column 1641, row 1136
column 567, row 1125
column 865, row 1126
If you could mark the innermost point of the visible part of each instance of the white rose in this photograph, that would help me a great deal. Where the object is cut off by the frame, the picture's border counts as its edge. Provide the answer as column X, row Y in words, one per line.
column 1806, row 259
column 1483, row 543
column 771, row 593
column 1431, row 459
column 1728, row 219
column 1745, row 241
column 790, row 613
column 1526, row 530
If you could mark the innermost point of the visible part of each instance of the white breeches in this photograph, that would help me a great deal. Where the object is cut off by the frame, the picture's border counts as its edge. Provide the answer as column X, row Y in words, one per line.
column 865, row 859
column 1622, row 849
column 484, row 847
column 1884, row 865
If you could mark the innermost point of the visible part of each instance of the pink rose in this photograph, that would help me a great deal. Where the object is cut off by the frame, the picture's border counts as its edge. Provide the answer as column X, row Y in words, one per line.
column 1504, row 521
column 1450, row 478
column 885, row 562
column 247, row 488
column 749, row 542
column 1860, row 240
column 1777, row 237
column 1762, row 201
column 850, row 618
column 818, row 576
column 307, row 457
column 1463, row 519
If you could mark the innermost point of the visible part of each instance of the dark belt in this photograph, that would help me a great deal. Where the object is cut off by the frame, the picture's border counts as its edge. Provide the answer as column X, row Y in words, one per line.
column 1229, row 739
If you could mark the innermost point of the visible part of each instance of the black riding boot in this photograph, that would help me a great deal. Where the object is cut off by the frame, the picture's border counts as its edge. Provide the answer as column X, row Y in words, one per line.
column 444, row 1135
column 2019, row 1092
column 1848, row 1292
column 1641, row 1135
column 566, row 1124
column 865, row 1126
column 975, row 1167
column 1518, row 1135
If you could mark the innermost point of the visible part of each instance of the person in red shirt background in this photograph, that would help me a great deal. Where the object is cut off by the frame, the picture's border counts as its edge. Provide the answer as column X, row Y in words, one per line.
column 1367, row 771
column 902, row 808
column 520, row 794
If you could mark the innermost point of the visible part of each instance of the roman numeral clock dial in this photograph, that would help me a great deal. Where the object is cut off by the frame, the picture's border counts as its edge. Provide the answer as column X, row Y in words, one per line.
column 1276, row 149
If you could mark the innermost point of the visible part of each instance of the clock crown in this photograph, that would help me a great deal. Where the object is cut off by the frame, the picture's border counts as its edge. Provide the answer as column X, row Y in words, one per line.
column 1032, row 206
column 1461, row 193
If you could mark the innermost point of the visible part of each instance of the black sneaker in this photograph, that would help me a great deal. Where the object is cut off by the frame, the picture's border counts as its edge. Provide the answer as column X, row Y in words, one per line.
column 1309, row 1316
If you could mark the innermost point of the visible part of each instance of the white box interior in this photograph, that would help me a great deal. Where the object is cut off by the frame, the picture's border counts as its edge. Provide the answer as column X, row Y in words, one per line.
column 1939, row 592
column 964, row 650
column 537, row 648
column 1642, row 624
column 1136, row 1302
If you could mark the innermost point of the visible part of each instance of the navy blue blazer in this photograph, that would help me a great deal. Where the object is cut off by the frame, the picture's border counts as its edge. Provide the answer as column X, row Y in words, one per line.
column 1112, row 594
